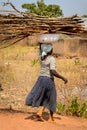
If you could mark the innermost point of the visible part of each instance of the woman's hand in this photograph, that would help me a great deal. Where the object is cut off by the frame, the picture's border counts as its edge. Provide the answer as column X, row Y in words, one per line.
column 65, row 80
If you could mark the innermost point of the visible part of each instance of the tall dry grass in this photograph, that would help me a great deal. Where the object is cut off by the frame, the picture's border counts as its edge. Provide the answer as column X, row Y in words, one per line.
column 19, row 70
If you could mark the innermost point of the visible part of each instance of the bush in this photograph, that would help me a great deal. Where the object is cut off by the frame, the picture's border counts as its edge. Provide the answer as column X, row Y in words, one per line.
column 75, row 108
column 60, row 108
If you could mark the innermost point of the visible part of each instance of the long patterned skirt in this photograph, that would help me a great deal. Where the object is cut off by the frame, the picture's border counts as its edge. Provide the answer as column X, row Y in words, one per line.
column 43, row 94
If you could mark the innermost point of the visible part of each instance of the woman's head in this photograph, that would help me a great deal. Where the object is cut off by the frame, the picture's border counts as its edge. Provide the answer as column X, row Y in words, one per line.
column 45, row 49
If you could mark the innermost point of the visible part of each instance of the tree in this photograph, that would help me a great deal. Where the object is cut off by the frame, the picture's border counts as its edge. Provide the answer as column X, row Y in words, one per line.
column 40, row 8
column 84, row 16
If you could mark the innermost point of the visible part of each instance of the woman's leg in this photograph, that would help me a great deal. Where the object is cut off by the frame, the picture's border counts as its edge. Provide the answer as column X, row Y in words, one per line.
column 41, row 109
column 51, row 118
column 39, row 113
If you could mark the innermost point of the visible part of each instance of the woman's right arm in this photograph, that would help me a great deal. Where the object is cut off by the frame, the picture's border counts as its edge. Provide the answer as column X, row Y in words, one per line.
column 56, row 74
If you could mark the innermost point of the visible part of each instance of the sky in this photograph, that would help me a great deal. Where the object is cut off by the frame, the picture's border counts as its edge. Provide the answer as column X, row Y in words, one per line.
column 69, row 7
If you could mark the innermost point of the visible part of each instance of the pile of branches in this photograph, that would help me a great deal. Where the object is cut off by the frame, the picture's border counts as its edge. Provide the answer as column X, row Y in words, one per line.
column 14, row 28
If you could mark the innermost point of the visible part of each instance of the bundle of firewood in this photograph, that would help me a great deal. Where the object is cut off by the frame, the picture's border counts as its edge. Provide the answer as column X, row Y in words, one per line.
column 14, row 28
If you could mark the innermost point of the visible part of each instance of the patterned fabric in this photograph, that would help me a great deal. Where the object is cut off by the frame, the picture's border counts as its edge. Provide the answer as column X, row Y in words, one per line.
column 43, row 94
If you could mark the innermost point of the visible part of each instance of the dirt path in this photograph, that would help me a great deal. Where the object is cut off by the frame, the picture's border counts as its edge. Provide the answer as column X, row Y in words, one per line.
column 26, row 121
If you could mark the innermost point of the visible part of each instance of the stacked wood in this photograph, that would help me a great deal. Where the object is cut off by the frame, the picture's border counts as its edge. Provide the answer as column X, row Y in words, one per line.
column 14, row 28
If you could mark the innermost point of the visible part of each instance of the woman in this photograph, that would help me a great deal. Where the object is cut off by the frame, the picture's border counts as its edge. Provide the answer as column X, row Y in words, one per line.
column 43, row 94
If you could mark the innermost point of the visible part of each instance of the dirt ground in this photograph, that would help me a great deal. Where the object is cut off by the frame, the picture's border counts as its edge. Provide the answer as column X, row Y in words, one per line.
column 27, row 121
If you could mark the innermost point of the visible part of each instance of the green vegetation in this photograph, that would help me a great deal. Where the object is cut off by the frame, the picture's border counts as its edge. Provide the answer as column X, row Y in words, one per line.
column 77, row 61
column 40, row 8
column 34, row 62
column 84, row 16
column 75, row 108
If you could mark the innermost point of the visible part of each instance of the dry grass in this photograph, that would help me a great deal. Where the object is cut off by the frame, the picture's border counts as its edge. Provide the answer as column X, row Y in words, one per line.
column 22, row 59
column 19, row 70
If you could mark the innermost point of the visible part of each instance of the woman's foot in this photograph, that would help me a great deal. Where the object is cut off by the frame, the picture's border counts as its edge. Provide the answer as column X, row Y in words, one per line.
column 51, row 119
column 39, row 113
column 39, row 117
